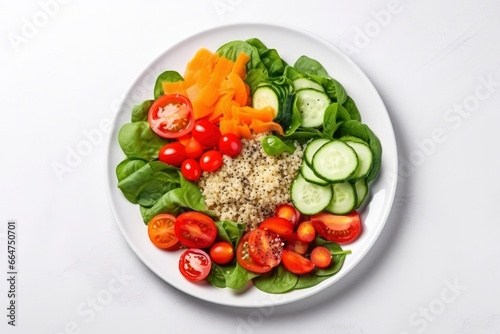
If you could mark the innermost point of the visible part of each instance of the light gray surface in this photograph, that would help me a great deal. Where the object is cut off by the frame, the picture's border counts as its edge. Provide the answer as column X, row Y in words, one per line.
column 64, row 69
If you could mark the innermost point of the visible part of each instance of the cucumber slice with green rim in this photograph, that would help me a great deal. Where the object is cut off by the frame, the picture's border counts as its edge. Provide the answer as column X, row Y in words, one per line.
column 265, row 96
column 365, row 158
column 344, row 199
column 312, row 148
column 335, row 161
column 361, row 187
column 310, row 198
column 312, row 104
column 303, row 83
column 308, row 174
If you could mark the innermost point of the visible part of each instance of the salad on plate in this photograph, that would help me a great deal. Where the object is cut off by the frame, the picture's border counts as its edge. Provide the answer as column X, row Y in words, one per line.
column 250, row 170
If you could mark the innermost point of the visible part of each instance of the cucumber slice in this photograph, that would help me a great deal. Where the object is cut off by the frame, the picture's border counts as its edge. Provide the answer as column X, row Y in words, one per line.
column 344, row 199
column 312, row 148
column 312, row 104
column 303, row 83
column 335, row 161
column 361, row 187
column 308, row 174
column 365, row 158
column 266, row 96
column 309, row 198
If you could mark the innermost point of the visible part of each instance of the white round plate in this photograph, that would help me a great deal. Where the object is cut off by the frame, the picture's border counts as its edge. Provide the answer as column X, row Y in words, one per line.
column 290, row 44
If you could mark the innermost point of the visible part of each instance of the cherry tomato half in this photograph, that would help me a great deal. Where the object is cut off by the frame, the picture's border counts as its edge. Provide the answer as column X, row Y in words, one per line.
column 206, row 133
column 265, row 247
column 230, row 144
column 161, row 231
column 245, row 260
column 195, row 264
column 211, row 160
column 321, row 257
column 173, row 153
column 171, row 116
column 338, row 228
column 278, row 225
column 194, row 150
column 306, row 231
column 288, row 212
column 296, row 263
column 222, row 252
column 195, row 229
column 191, row 169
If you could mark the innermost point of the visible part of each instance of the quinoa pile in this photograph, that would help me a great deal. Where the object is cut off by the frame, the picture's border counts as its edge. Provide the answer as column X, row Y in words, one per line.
column 248, row 188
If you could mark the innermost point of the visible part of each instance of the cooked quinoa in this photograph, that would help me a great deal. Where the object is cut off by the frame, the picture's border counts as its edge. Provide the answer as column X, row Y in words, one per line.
column 248, row 188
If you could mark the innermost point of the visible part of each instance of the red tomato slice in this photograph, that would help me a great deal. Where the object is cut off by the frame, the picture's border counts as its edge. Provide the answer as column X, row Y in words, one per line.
column 245, row 260
column 296, row 263
column 195, row 264
column 280, row 226
column 161, row 231
column 195, row 229
column 265, row 247
column 338, row 228
column 171, row 116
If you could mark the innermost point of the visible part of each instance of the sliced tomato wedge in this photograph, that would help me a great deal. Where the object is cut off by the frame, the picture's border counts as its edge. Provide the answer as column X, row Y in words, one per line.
column 171, row 116
column 278, row 225
column 338, row 228
column 161, row 231
column 245, row 260
column 296, row 263
column 195, row 229
column 195, row 264
column 265, row 247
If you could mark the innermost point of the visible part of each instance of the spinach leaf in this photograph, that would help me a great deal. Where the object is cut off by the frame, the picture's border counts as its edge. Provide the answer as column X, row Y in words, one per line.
column 148, row 183
column 273, row 62
column 230, row 231
column 351, row 108
column 231, row 276
column 254, row 77
column 159, row 184
column 236, row 276
column 138, row 141
column 309, row 66
column 279, row 280
column 330, row 123
column 232, row 50
column 216, row 276
column 318, row 73
column 167, row 76
column 187, row 196
column 127, row 167
column 309, row 280
column 257, row 43
column 292, row 74
column 274, row 146
column 140, row 111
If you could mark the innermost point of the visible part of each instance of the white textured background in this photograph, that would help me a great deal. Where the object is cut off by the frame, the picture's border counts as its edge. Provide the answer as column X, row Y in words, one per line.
column 64, row 67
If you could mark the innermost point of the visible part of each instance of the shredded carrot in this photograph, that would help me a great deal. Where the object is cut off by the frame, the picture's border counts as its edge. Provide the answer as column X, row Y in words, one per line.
column 216, row 88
